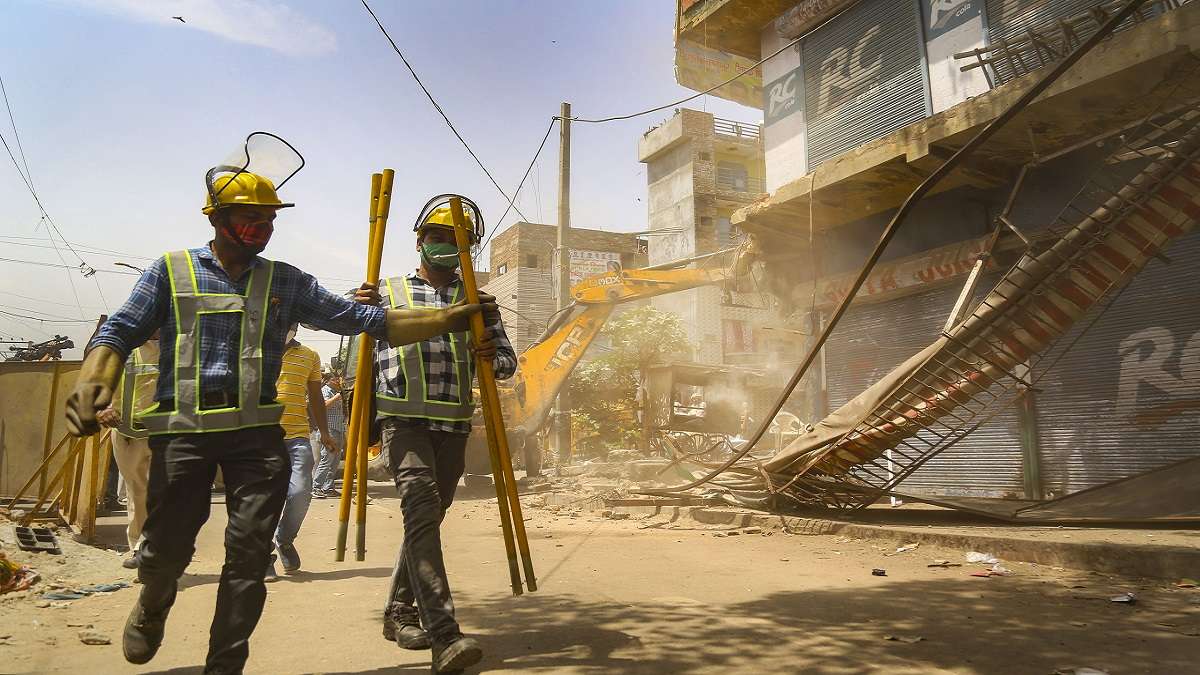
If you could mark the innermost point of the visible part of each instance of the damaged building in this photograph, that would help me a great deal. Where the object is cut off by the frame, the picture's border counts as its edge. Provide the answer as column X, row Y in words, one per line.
column 861, row 101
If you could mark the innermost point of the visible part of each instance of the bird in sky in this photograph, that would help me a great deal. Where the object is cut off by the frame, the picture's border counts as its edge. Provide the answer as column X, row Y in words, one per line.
column 179, row 18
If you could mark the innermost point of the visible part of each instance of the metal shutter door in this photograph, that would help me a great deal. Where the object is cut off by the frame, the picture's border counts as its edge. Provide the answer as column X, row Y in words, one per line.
column 1126, row 398
column 864, row 76
column 872, row 340
column 1010, row 19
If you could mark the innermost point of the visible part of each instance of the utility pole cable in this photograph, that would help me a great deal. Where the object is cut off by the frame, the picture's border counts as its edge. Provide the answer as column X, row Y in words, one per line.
column 562, row 426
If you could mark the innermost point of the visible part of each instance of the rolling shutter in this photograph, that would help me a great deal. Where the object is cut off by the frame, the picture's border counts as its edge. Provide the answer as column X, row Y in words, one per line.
column 1126, row 398
column 864, row 76
column 873, row 339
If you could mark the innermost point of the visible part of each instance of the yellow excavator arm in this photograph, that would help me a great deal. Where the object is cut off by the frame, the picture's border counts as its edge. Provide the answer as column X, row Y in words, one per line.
column 543, row 369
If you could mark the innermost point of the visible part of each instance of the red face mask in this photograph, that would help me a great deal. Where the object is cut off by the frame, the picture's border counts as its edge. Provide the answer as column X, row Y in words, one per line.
column 253, row 235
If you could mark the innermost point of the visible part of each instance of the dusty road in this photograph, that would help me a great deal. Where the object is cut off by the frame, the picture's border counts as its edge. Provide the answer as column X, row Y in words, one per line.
column 621, row 597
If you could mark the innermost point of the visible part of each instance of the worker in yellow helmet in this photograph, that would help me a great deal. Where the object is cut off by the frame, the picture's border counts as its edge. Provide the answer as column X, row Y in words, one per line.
column 423, row 398
column 223, row 312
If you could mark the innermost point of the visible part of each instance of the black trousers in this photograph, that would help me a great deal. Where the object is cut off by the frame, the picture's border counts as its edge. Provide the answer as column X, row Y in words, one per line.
column 256, row 469
column 426, row 466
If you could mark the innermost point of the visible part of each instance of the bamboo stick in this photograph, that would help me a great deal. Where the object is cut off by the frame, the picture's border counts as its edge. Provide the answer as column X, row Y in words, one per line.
column 351, row 459
column 375, row 262
column 506, row 484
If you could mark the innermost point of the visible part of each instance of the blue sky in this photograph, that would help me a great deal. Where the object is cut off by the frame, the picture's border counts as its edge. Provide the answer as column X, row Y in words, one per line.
column 121, row 109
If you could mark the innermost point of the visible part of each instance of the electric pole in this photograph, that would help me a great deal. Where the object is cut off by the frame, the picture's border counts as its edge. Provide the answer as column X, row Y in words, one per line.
column 562, row 425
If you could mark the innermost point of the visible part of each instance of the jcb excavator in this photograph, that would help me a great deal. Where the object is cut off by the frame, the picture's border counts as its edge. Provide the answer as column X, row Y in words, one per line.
column 543, row 369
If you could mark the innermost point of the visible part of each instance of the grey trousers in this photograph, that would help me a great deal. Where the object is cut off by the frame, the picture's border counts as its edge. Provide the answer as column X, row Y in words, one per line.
column 426, row 466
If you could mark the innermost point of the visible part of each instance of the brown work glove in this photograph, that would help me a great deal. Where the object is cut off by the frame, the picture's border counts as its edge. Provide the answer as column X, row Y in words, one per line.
column 93, row 390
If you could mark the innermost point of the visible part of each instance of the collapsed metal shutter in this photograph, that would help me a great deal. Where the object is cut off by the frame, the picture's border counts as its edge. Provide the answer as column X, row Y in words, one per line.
column 1010, row 20
column 864, row 76
column 873, row 339
column 1126, row 398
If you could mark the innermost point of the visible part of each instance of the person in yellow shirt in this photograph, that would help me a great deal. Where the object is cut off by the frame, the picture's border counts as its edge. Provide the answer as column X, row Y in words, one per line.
column 299, row 390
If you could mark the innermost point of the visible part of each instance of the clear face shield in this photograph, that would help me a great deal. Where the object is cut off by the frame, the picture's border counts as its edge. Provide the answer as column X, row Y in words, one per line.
column 264, row 155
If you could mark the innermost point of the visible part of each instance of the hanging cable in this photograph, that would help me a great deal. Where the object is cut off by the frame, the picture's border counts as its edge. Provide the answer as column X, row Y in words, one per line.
column 63, row 266
column 16, row 135
column 27, row 177
column 496, row 227
column 45, row 316
column 741, row 73
column 42, row 320
column 436, row 106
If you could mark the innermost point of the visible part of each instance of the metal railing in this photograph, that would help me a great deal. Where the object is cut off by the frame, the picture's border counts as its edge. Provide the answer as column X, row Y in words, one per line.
column 1009, row 58
column 736, row 129
column 746, row 184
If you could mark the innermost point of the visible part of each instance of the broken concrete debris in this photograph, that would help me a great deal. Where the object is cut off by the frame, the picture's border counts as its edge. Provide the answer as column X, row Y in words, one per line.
column 92, row 637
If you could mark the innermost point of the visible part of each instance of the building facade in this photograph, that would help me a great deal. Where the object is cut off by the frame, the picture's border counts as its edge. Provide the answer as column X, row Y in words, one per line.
column 864, row 99
column 523, row 267
column 699, row 171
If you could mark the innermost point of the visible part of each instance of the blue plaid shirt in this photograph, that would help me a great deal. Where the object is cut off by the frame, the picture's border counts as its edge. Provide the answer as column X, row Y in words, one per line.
column 295, row 297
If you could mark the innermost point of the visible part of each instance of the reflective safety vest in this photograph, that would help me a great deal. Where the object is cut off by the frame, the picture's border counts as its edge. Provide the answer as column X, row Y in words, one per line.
column 189, row 304
column 416, row 402
column 136, row 374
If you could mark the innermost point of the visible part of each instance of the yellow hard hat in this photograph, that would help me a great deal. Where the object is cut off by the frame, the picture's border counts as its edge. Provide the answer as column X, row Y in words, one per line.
column 441, row 217
column 245, row 188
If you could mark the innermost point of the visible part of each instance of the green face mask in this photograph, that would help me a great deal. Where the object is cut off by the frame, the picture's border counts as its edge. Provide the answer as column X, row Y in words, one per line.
column 440, row 255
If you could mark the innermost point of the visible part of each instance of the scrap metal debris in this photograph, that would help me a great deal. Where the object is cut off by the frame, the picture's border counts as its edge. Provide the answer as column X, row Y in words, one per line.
column 37, row 539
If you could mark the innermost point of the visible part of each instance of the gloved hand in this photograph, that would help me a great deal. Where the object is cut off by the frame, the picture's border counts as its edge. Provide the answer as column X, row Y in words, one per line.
column 93, row 390
column 406, row 326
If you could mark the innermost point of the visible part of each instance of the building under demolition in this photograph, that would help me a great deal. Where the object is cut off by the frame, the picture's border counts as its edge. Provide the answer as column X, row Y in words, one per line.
column 523, row 263
column 863, row 100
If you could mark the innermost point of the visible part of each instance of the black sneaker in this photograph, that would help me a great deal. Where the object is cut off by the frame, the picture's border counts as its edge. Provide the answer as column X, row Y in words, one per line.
column 463, row 652
column 130, row 563
column 143, row 635
column 412, row 636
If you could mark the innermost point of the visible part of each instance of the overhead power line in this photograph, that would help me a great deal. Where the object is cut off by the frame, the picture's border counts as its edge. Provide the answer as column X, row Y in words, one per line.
column 516, row 192
column 43, row 320
column 86, row 249
column 438, row 107
column 20, row 148
column 27, row 177
column 63, row 266
column 44, row 315
column 747, row 69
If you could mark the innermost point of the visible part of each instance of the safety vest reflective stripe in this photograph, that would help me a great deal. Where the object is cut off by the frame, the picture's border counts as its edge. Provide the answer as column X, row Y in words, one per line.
column 189, row 305
column 135, row 372
column 416, row 402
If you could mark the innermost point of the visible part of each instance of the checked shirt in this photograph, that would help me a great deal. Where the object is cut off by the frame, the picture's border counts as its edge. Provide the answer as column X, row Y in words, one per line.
column 441, row 378
column 296, row 297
